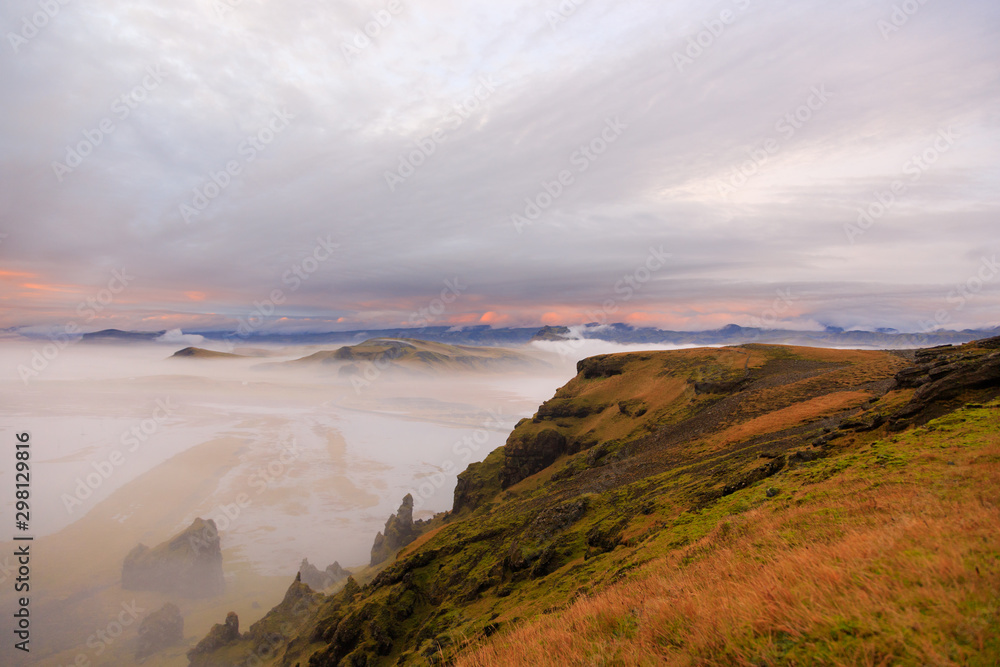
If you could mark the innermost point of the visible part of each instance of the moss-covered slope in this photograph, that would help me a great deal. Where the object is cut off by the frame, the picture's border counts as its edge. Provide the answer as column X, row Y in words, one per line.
column 631, row 467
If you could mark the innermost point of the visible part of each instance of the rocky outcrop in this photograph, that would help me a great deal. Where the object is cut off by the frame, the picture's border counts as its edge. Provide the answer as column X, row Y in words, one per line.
column 728, row 387
column 479, row 482
column 399, row 531
column 318, row 579
column 159, row 630
column 284, row 620
column 602, row 366
column 560, row 408
column 188, row 565
column 754, row 476
column 221, row 634
column 528, row 453
column 943, row 376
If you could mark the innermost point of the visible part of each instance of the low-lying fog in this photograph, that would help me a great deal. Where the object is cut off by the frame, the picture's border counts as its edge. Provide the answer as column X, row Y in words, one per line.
column 291, row 461
column 324, row 461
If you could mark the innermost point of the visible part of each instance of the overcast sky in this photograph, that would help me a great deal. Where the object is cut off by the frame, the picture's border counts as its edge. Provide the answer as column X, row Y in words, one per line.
column 371, row 174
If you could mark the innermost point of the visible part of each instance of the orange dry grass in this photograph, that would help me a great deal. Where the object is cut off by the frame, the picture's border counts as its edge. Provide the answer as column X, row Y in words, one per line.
column 793, row 415
column 419, row 542
column 908, row 572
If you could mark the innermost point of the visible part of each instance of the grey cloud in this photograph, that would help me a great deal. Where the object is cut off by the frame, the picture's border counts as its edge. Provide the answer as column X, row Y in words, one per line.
column 656, row 184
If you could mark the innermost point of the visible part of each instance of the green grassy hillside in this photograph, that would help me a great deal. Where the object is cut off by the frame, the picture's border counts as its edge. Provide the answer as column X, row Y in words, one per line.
column 749, row 505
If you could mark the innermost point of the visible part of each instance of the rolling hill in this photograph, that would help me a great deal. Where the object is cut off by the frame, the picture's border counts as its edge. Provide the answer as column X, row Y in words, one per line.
column 390, row 354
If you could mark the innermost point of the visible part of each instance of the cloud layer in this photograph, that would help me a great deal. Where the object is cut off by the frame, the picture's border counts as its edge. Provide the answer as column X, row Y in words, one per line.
column 340, row 164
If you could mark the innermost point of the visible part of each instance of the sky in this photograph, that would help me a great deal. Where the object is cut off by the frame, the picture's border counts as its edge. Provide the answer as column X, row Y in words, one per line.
column 316, row 166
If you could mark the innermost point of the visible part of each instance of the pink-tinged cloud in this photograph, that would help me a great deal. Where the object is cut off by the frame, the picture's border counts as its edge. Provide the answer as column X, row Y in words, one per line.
column 493, row 318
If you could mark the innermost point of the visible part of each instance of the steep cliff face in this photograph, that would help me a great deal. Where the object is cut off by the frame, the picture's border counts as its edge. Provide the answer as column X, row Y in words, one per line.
column 187, row 565
column 646, row 463
column 611, row 399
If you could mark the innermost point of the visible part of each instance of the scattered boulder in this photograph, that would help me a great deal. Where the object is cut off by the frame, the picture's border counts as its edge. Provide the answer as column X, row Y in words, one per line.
column 318, row 579
column 159, row 630
column 189, row 564
column 399, row 531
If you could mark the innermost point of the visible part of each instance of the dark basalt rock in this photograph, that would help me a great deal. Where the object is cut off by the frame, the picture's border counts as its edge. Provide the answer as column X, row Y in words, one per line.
column 943, row 381
column 601, row 366
column 632, row 408
column 318, row 579
column 730, row 387
column 159, row 630
column 755, row 476
column 399, row 531
column 188, row 565
column 468, row 492
column 283, row 620
column 989, row 343
column 221, row 634
column 526, row 454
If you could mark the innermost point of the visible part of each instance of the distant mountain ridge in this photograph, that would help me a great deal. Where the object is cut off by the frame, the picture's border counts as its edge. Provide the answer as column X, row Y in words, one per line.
column 484, row 335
